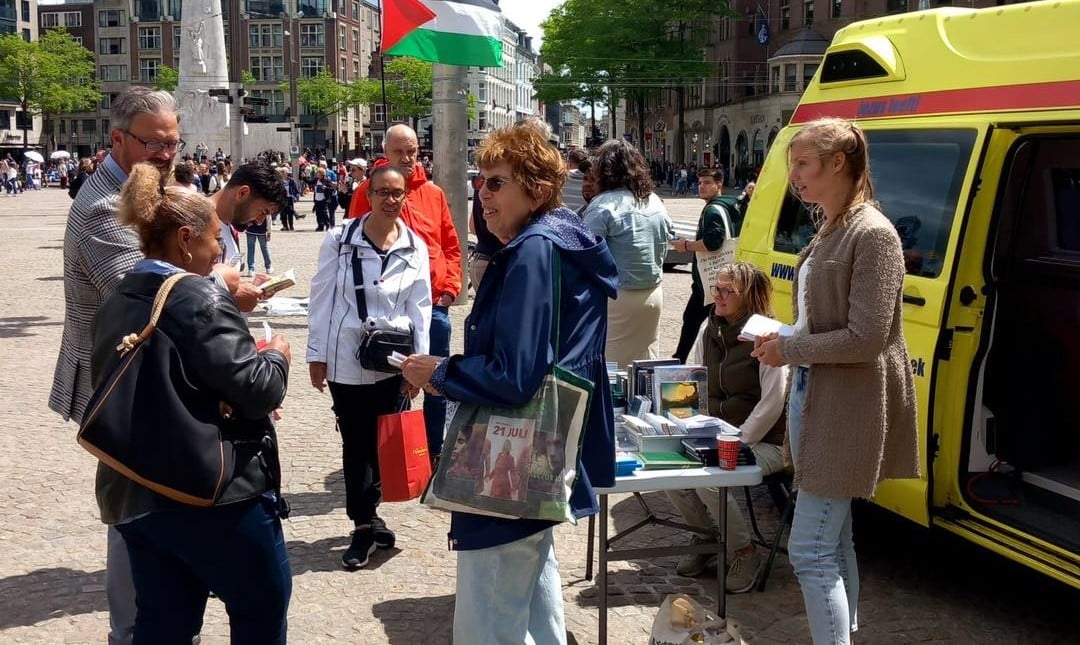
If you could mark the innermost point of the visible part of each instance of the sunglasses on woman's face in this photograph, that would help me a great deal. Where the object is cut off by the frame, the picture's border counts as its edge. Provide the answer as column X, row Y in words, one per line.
column 494, row 184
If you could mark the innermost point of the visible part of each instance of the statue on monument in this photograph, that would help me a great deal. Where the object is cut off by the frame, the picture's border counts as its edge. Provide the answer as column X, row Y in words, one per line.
column 197, row 55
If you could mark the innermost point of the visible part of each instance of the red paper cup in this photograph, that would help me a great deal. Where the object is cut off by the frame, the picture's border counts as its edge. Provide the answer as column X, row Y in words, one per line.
column 727, row 447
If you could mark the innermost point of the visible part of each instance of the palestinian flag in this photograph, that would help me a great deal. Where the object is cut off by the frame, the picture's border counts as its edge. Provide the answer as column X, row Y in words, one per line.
column 452, row 32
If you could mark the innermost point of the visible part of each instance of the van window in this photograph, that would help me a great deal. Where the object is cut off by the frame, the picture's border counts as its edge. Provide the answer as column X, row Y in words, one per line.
column 917, row 176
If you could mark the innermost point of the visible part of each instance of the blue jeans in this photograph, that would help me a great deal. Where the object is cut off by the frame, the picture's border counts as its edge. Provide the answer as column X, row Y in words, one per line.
column 435, row 406
column 251, row 237
column 820, row 546
column 510, row 594
column 237, row 551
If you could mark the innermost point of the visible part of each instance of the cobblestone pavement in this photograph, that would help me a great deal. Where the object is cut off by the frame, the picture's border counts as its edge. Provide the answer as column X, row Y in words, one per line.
column 917, row 586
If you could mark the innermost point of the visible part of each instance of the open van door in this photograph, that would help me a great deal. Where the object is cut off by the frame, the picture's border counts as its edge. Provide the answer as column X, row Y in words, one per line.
column 1009, row 475
column 922, row 177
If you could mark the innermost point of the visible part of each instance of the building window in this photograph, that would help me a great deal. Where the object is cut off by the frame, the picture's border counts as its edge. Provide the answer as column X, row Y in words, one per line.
column 356, row 11
column 72, row 19
column 267, row 68
column 111, row 18
column 896, row 6
column 270, row 8
column 50, row 20
column 149, row 37
column 265, row 36
column 785, row 17
column 808, row 12
column 356, row 41
column 148, row 68
column 104, row 126
column 276, row 105
column 312, row 36
column 342, row 41
column 482, row 120
column 481, row 92
column 113, row 72
column 789, row 77
column 809, row 69
column 313, row 7
column 356, row 69
column 343, row 65
column 5, row 120
column 837, row 8
column 176, row 39
column 378, row 115
column 26, row 10
column 310, row 65
column 112, row 46
column 60, row 19
column 89, row 126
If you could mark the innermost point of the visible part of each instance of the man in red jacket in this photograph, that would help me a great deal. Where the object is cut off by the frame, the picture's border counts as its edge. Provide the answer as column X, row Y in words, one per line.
column 427, row 213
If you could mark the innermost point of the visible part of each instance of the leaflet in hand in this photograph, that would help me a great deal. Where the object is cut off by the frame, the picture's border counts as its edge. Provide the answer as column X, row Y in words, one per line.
column 759, row 325
column 395, row 359
column 275, row 284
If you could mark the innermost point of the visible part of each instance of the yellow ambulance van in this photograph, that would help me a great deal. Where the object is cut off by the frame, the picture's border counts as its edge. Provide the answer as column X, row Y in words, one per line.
column 973, row 118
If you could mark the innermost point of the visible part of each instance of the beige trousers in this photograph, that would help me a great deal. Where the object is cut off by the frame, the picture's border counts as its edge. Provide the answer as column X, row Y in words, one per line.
column 634, row 325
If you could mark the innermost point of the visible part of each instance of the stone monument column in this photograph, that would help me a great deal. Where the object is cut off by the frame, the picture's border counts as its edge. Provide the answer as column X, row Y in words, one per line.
column 203, row 67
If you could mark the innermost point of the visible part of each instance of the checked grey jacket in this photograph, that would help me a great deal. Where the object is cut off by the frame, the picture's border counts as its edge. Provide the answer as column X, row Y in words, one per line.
column 98, row 251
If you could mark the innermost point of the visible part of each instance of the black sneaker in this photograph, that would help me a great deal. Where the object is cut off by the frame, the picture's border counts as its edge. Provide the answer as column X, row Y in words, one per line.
column 362, row 546
column 384, row 537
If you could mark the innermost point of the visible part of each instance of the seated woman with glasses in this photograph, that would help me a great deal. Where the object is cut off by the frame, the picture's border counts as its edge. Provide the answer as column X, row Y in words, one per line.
column 747, row 394
column 380, row 260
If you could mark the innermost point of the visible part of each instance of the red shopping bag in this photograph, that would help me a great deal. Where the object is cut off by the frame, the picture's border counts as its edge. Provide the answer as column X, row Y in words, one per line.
column 404, row 465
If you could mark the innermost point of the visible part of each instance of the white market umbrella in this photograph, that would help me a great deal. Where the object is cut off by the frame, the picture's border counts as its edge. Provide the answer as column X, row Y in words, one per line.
column 60, row 154
column 35, row 156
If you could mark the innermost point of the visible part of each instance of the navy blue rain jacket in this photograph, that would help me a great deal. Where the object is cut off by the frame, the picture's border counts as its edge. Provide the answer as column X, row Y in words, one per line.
column 508, row 352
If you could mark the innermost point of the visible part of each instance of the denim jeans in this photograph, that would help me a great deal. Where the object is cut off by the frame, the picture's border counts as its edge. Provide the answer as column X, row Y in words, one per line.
column 435, row 406
column 251, row 238
column 510, row 594
column 820, row 545
column 237, row 551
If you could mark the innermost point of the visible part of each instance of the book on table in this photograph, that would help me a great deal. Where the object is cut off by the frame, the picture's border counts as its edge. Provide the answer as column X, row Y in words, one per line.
column 639, row 374
column 666, row 461
column 683, row 389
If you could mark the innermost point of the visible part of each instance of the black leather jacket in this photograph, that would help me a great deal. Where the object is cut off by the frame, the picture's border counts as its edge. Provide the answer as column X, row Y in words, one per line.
column 219, row 358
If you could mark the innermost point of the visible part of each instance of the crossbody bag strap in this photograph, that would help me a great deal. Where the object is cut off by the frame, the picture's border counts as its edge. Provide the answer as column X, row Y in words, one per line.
column 357, row 272
column 131, row 341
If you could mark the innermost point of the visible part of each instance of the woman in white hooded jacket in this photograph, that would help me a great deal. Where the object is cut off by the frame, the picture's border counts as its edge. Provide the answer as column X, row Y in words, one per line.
column 394, row 269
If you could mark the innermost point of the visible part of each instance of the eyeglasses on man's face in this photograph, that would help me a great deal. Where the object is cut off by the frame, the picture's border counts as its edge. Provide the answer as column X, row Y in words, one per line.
column 721, row 292
column 157, row 146
column 387, row 193
column 493, row 184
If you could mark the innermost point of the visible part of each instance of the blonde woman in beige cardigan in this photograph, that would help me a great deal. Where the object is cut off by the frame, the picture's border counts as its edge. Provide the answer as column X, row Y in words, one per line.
column 851, row 412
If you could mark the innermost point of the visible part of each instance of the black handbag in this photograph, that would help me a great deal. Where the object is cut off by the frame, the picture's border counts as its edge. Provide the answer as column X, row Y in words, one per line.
column 376, row 345
column 150, row 424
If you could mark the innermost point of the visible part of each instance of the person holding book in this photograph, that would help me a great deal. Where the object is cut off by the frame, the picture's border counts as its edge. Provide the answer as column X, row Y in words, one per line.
column 508, row 584
column 636, row 225
column 851, row 414
column 747, row 394
column 379, row 260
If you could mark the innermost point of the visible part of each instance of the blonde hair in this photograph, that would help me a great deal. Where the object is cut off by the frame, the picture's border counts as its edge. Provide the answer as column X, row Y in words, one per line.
column 751, row 284
column 535, row 164
column 829, row 136
column 156, row 213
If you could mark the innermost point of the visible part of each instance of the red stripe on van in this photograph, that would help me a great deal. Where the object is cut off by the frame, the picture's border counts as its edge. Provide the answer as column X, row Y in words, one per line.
column 1027, row 96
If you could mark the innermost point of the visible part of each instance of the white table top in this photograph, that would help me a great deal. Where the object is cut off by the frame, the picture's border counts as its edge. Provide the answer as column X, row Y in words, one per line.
column 646, row 480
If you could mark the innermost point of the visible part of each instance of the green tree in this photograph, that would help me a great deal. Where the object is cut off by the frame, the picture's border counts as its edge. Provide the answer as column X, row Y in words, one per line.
column 408, row 89
column 166, row 79
column 247, row 79
column 607, row 50
column 470, row 107
column 323, row 96
column 48, row 76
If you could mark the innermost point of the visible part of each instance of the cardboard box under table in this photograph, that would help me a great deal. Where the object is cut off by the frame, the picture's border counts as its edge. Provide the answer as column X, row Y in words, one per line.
column 656, row 480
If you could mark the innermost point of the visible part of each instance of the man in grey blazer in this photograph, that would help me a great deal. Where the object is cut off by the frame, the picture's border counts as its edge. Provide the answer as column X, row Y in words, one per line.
column 98, row 251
